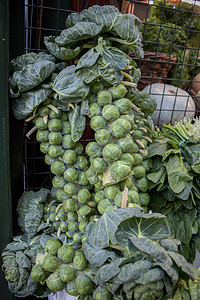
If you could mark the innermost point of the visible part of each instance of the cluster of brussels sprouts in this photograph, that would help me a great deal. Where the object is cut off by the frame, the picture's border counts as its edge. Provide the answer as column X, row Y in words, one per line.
column 89, row 181
column 118, row 156
column 61, row 266
column 75, row 205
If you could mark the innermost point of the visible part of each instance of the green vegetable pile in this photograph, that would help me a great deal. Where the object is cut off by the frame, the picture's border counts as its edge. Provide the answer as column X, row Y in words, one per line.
column 92, row 234
column 174, row 182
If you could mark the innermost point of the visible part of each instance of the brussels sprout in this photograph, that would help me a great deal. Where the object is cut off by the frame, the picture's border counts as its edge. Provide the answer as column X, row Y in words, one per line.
column 133, row 196
column 84, row 236
column 91, row 98
column 78, row 148
column 120, row 127
column 40, row 124
column 50, row 263
column 72, row 289
column 103, row 205
column 111, row 152
column 69, row 234
column 61, row 195
column 67, row 273
column 128, row 158
column 64, row 116
column 67, row 142
column 138, row 158
column 66, row 253
column 99, row 196
column 98, row 186
column 144, row 153
column 129, row 118
column 120, row 170
column 72, row 216
column 69, row 157
column 102, row 137
column 54, row 282
column 91, row 176
column 63, row 226
column 44, row 146
column 43, row 111
column 48, row 159
column 93, row 149
column 111, row 191
column 142, row 184
column 81, row 163
column 98, row 164
column 118, row 200
column 139, row 171
column 55, row 125
column 97, row 122
column 77, row 237
column 55, row 151
column 54, row 114
column 84, row 196
column 38, row 273
column 52, row 217
column 39, row 258
column 127, row 144
column 58, row 167
column 82, row 225
column 124, row 105
column 66, row 128
column 82, row 178
column 51, row 246
column 118, row 91
column 56, row 225
column 55, row 138
column 101, row 293
column 42, row 135
column 104, row 98
column 71, row 175
column 137, row 134
column 73, row 226
column 71, row 189
column 95, row 110
column 84, row 211
column 96, row 86
column 79, row 261
column 128, row 182
column 144, row 198
column 110, row 112
column 62, row 215
column 84, row 284
column 70, row 205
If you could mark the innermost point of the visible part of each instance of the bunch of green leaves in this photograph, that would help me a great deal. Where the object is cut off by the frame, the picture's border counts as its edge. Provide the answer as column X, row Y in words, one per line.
column 175, row 185
column 131, row 254
column 173, row 29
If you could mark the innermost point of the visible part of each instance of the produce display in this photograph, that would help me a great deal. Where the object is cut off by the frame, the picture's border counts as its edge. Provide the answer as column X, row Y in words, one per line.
column 92, row 234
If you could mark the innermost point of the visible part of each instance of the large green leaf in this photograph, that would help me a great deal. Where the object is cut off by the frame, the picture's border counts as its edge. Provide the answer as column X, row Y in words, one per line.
column 63, row 53
column 104, row 16
column 104, row 230
column 23, row 60
column 132, row 271
column 157, row 175
column 181, row 222
column 96, row 256
column 22, row 260
column 88, row 59
column 108, row 271
column 158, row 147
column 32, row 75
column 171, row 272
column 69, row 87
column 178, row 175
column 27, row 102
column 152, row 226
column 30, row 210
column 78, row 123
column 152, row 275
column 182, row 263
column 80, row 31
column 128, row 28
column 151, row 248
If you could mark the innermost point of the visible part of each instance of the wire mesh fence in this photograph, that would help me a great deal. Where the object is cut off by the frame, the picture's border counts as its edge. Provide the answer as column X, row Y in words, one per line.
column 171, row 41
